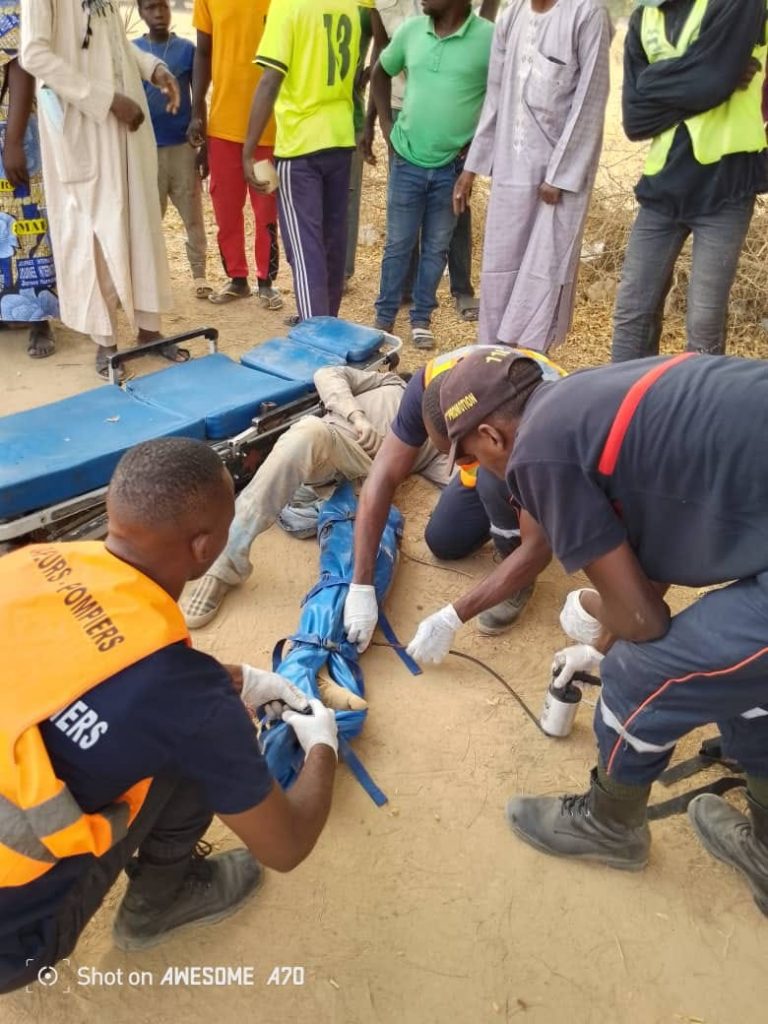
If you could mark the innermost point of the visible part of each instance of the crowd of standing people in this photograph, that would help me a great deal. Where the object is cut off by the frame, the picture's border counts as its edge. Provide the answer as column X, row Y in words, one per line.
column 277, row 104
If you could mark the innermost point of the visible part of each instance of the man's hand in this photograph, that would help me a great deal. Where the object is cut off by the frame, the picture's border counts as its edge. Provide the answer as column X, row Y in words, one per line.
column 549, row 194
column 462, row 192
column 201, row 162
column 196, row 132
column 15, row 163
column 753, row 67
column 435, row 636
column 262, row 688
column 569, row 661
column 169, row 87
column 127, row 112
column 361, row 613
column 368, row 437
column 366, row 144
column 319, row 727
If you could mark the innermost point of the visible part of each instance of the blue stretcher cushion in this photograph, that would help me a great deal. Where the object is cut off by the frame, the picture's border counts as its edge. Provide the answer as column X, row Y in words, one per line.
column 68, row 448
column 287, row 359
column 226, row 395
column 350, row 341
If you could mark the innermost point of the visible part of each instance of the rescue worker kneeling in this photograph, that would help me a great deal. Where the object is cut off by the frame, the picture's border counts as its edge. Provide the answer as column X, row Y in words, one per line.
column 117, row 737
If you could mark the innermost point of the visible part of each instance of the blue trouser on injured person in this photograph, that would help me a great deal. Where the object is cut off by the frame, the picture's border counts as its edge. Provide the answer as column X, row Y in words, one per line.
column 466, row 517
column 712, row 666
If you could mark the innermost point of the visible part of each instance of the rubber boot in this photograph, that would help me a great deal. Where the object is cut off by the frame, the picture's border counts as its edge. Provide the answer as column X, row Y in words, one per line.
column 162, row 899
column 505, row 614
column 734, row 839
column 592, row 826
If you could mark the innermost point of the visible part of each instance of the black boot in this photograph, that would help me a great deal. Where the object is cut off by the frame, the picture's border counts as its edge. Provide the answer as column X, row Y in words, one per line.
column 163, row 898
column 734, row 839
column 593, row 826
column 502, row 616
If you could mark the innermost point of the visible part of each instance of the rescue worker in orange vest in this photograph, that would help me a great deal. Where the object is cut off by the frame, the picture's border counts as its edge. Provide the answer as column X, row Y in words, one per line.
column 474, row 507
column 117, row 737
column 642, row 474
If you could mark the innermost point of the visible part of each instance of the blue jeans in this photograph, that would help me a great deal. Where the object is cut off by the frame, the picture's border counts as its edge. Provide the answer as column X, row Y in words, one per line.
column 646, row 278
column 418, row 199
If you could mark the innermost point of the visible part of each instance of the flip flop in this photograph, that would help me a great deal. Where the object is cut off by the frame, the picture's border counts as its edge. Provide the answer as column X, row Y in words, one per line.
column 468, row 308
column 203, row 290
column 270, row 298
column 229, row 294
column 173, row 353
column 102, row 368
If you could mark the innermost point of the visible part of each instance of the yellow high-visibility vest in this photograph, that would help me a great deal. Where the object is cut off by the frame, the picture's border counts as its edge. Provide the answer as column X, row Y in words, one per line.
column 736, row 126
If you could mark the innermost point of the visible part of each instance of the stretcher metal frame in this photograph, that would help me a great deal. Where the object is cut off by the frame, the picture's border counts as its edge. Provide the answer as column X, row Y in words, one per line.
column 83, row 517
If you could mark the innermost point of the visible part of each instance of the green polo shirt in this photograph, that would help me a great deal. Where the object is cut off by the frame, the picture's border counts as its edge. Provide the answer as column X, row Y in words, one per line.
column 445, row 91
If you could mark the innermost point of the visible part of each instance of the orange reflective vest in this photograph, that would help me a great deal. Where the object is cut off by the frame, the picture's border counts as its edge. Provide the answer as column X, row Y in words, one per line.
column 447, row 361
column 73, row 615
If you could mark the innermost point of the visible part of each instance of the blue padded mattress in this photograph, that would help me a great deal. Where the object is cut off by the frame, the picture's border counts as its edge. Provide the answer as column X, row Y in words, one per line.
column 70, row 447
column 289, row 360
column 226, row 395
column 350, row 342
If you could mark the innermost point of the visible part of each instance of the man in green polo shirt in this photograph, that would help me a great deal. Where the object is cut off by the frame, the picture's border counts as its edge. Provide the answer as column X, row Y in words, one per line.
column 445, row 57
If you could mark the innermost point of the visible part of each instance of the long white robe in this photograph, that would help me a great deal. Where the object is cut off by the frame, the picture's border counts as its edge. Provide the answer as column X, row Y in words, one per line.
column 542, row 121
column 100, row 179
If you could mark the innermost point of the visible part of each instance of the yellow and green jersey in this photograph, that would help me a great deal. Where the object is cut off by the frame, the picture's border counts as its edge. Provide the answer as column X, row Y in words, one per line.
column 315, row 44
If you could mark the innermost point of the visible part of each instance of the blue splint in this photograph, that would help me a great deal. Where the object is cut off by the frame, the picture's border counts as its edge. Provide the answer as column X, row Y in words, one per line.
column 60, row 457
column 320, row 641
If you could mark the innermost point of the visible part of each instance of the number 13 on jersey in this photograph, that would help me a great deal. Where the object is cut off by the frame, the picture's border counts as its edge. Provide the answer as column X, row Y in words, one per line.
column 338, row 33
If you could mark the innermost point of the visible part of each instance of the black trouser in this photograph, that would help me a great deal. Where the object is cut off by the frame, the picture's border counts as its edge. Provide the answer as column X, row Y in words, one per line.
column 166, row 830
column 466, row 517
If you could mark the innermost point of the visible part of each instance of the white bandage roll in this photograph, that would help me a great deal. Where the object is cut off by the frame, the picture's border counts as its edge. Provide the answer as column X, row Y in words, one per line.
column 577, row 623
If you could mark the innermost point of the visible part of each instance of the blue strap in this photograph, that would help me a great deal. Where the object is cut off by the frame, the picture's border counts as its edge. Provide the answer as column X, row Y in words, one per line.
column 386, row 628
column 322, row 584
column 355, row 765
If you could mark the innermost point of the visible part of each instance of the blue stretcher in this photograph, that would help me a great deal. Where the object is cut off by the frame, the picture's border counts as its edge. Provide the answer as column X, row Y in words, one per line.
column 56, row 460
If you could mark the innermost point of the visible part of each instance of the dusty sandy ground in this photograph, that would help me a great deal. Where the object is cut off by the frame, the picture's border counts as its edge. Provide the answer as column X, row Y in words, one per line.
column 428, row 910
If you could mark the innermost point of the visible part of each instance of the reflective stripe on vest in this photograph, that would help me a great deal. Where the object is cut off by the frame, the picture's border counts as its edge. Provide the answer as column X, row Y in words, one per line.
column 73, row 616
column 447, row 361
column 736, row 126
column 623, row 418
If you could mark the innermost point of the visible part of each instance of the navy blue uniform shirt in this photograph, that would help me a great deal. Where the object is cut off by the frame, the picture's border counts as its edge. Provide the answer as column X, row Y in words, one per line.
column 691, row 481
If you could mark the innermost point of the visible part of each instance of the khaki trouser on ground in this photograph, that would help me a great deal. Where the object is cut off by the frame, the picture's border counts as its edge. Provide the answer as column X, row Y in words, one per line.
column 313, row 451
column 178, row 180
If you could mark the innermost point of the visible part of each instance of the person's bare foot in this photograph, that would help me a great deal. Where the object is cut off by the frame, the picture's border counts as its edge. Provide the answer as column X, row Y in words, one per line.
column 41, row 341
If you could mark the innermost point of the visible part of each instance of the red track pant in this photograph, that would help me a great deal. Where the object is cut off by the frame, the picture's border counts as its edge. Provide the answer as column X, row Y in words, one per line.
column 228, row 194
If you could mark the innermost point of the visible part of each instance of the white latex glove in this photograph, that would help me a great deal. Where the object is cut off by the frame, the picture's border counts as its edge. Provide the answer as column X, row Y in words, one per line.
column 434, row 636
column 577, row 623
column 319, row 727
column 569, row 661
column 361, row 613
column 368, row 436
column 261, row 688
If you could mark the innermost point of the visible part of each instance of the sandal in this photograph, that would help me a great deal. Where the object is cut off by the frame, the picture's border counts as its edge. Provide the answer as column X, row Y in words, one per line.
column 230, row 294
column 270, row 297
column 422, row 338
column 102, row 364
column 41, row 341
column 468, row 308
column 173, row 353
column 202, row 289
